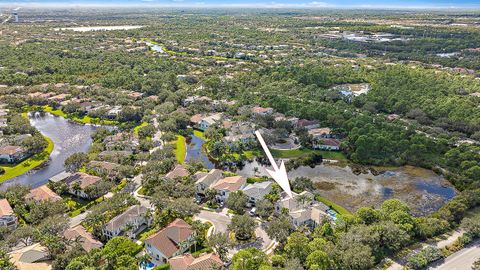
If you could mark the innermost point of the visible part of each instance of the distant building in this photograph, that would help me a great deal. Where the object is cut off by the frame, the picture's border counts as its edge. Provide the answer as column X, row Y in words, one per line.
column 15, row 16
column 178, row 171
column 209, row 121
column 78, row 182
column 308, row 124
column 261, row 111
column 303, row 209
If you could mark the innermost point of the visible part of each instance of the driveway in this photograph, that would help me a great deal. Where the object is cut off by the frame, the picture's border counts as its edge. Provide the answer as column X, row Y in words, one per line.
column 220, row 221
column 461, row 260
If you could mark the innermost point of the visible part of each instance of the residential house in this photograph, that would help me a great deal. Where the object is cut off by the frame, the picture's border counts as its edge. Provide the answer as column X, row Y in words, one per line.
column 12, row 154
column 103, row 167
column 320, row 133
column 257, row 191
column 228, row 185
column 78, row 182
column 308, row 124
column 261, row 111
column 129, row 223
column 173, row 240
column 392, row 117
column 203, row 262
column 303, row 209
column 330, row 144
column 178, row 171
column 85, row 238
column 206, row 181
column 42, row 194
column 33, row 257
column 7, row 216
column 58, row 98
column 196, row 118
column 243, row 132
column 113, row 112
column 60, row 177
column 208, row 121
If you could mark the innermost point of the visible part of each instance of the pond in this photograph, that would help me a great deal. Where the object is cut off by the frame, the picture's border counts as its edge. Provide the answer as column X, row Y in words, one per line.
column 155, row 47
column 68, row 138
column 195, row 151
column 423, row 190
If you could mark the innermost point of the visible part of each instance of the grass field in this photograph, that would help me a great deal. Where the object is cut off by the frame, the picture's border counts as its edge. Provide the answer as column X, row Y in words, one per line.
column 199, row 134
column 12, row 171
column 83, row 120
column 180, row 148
column 143, row 124
column 339, row 209
column 302, row 152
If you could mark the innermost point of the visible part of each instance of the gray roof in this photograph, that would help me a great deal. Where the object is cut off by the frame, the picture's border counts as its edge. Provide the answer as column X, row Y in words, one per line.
column 124, row 218
column 212, row 177
column 59, row 177
column 258, row 190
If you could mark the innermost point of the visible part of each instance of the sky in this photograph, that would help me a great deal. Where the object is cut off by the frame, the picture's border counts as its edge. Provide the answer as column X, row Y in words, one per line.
column 266, row 3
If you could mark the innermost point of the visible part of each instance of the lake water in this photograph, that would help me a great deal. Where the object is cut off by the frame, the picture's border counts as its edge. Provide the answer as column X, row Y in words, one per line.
column 423, row 190
column 195, row 151
column 68, row 138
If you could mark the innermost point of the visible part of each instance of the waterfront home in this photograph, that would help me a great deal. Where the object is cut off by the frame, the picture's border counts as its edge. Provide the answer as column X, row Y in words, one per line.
column 42, row 194
column 330, row 144
column 173, row 240
column 206, row 181
column 12, row 154
column 7, row 216
column 85, row 238
column 188, row 262
column 78, row 182
column 303, row 209
column 208, row 121
column 60, row 177
column 257, row 191
column 228, row 185
column 129, row 223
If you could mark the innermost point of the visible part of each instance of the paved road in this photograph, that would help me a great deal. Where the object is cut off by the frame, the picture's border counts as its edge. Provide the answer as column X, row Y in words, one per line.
column 137, row 180
column 461, row 260
column 219, row 219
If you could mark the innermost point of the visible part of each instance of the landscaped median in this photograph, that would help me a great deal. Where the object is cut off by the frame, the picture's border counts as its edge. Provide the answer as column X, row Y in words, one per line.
column 32, row 162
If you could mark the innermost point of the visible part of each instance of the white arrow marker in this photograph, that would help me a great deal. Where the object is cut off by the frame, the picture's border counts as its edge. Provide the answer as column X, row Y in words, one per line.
column 278, row 174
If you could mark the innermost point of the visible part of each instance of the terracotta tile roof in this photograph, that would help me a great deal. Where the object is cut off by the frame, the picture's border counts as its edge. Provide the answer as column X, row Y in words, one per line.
column 34, row 257
column 178, row 171
column 168, row 239
column 86, row 239
column 42, row 194
column 196, row 118
column 10, row 150
column 188, row 262
column 84, row 179
column 232, row 183
column 261, row 110
column 5, row 208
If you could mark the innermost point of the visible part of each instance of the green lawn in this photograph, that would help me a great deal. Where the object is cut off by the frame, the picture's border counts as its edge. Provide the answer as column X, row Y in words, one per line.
column 83, row 120
column 338, row 208
column 180, row 148
column 295, row 153
column 199, row 134
column 12, row 171
column 135, row 129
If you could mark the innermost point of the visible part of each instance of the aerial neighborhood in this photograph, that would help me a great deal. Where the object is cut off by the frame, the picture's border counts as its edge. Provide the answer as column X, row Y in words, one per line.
column 278, row 137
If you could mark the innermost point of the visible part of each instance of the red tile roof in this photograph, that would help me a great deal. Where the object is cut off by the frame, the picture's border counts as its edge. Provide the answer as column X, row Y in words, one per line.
column 232, row 183
column 168, row 239
column 42, row 194
column 5, row 208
